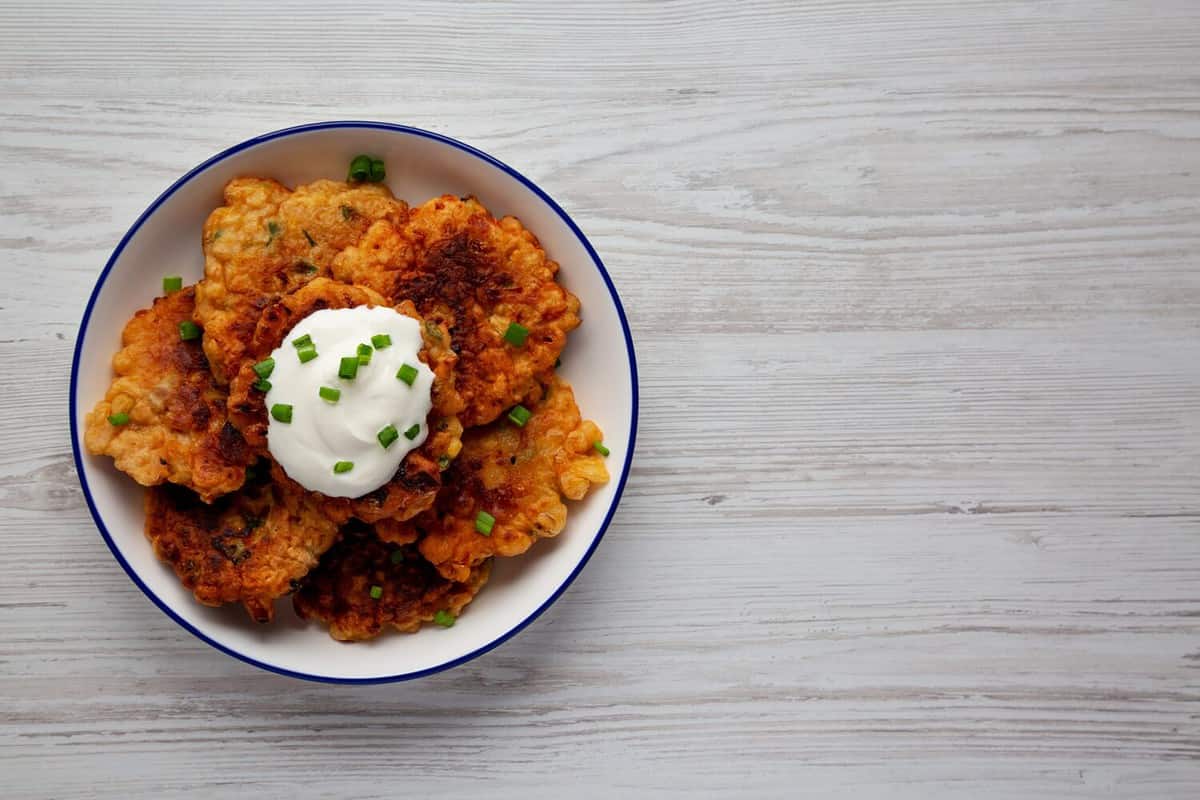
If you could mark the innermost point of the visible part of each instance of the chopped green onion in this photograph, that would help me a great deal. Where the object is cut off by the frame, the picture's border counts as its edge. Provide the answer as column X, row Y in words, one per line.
column 364, row 354
column 519, row 416
column 376, row 592
column 378, row 173
column 360, row 169
column 484, row 522
column 306, row 354
column 443, row 462
column 348, row 368
column 282, row 412
column 407, row 373
column 397, row 556
column 329, row 394
column 305, row 267
column 119, row 419
column 303, row 341
column 381, row 340
column 188, row 330
column 348, row 212
column 172, row 283
column 262, row 384
column 272, row 231
column 444, row 618
column 412, row 432
column 343, row 466
column 311, row 241
column 264, row 368
column 601, row 449
column 387, row 436
column 516, row 333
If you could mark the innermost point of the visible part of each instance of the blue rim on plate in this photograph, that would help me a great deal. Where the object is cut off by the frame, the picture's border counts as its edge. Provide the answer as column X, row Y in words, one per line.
column 466, row 148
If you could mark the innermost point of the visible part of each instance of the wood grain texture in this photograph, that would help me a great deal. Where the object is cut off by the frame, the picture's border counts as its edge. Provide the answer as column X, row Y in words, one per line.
column 916, row 507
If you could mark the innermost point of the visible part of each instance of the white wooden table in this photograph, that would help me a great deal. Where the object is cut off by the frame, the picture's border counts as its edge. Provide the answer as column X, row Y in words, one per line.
column 916, row 293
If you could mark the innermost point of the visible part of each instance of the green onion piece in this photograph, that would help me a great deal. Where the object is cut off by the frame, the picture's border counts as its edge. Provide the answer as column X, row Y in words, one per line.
column 188, row 330
column 303, row 341
column 311, row 241
column 329, row 394
column 381, row 340
column 484, row 522
column 172, row 283
column 272, row 231
column 264, row 368
column 263, row 385
column 412, row 432
column 364, row 354
column 282, row 412
column 444, row 618
column 378, row 173
column 119, row 419
column 306, row 354
column 519, row 416
column 397, row 556
column 348, row 368
column 388, row 436
column 516, row 333
column 443, row 462
column 343, row 466
column 376, row 592
column 601, row 449
column 348, row 212
column 407, row 373
column 360, row 169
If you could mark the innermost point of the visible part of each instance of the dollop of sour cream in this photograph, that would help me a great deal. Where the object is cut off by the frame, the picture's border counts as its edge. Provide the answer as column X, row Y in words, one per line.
column 324, row 434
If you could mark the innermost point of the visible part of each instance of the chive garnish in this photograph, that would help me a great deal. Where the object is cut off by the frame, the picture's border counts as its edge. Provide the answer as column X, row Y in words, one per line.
column 484, row 522
column 381, row 340
column 119, row 419
column 264, row 368
column 282, row 412
column 601, row 449
column 516, row 333
column 376, row 592
column 172, row 283
column 378, row 173
column 262, row 384
column 306, row 354
column 343, row 466
column 329, row 394
column 444, row 618
column 407, row 373
column 412, row 432
column 188, row 330
column 364, row 354
column 388, row 436
column 519, row 416
column 348, row 368
column 360, row 169
column 303, row 341
column 397, row 556
column 311, row 241
column 272, row 231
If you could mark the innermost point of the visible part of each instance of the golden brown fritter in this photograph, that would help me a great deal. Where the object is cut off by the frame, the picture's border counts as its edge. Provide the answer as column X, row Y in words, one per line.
column 248, row 547
column 411, row 592
column 177, row 430
column 416, row 483
column 462, row 267
column 520, row 476
column 265, row 242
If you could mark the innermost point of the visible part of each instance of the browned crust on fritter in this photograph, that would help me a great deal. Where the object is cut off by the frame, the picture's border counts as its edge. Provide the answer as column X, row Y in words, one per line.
column 178, row 430
column 418, row 479
column 463, row 268
column 267, row 241
column 338, row 591
column 518, row 475
column 249, row 547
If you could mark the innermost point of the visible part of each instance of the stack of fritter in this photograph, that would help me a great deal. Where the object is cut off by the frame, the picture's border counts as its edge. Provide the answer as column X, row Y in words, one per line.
column 183, row 418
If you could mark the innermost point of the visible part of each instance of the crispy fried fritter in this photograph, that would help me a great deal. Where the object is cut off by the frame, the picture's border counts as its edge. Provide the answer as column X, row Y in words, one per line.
column 462, row 267
column 265, row 242
column 411, row 592
column 416, row 483
column 248, row 547
column 519, row 476
column 177, row 430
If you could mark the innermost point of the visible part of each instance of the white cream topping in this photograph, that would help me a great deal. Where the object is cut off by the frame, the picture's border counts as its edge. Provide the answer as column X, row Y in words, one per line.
column 322, row 433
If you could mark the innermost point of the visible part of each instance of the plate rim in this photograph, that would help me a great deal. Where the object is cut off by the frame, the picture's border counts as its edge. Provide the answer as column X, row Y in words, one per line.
column 409, row 131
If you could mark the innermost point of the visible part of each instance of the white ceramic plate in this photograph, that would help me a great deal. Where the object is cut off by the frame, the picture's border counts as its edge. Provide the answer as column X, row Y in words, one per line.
column 598, row 361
